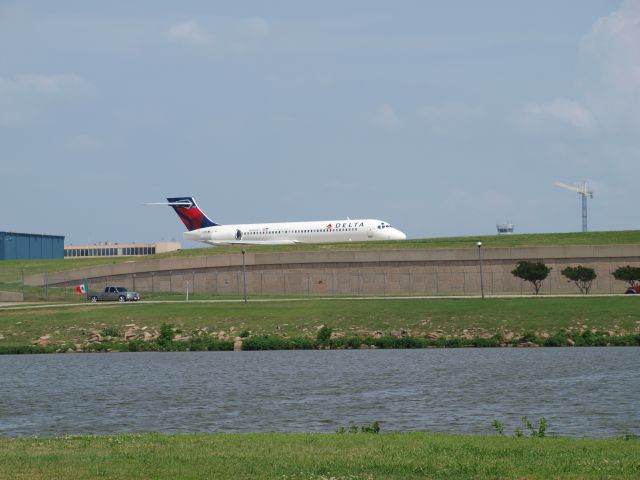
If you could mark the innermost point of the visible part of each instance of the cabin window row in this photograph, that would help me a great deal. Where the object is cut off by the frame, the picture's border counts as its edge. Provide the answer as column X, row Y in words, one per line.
column 277, row 232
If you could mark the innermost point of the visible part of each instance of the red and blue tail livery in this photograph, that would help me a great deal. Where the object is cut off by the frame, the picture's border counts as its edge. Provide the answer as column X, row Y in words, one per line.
column 188, row 211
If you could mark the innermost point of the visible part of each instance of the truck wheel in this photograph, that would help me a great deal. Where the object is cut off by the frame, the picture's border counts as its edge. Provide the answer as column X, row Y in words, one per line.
column 121, row 298
column 94, row 299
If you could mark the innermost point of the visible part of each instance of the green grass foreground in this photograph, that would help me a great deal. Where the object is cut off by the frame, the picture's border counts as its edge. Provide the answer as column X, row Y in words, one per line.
column 509, row 318
column 316, row 456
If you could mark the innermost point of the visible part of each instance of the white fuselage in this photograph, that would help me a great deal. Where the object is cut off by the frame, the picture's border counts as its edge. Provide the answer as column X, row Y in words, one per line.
column 288, row 233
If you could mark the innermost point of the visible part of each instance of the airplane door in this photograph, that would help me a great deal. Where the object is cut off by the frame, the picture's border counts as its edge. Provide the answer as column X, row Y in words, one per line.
column 369, row 232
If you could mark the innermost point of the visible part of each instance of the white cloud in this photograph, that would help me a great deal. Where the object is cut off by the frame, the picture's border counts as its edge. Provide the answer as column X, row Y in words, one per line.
column 256, row 27
column 608, row 97
column 562, row 109
column 385, row 118
column 220, row 35
column 612, row 46
column 190, row 33
column 23, row 97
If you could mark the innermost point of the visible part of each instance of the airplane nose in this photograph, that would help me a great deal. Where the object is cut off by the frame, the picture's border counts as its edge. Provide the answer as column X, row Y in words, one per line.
column 397, row 235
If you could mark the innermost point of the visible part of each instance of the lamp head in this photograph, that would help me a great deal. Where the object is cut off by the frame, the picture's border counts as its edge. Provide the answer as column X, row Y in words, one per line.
column 479, row 244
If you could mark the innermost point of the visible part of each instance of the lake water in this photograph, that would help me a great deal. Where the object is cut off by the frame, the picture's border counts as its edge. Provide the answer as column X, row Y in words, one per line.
column 580, row 391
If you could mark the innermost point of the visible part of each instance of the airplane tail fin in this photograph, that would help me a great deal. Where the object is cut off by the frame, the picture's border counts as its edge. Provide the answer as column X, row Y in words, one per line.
column 189, row 212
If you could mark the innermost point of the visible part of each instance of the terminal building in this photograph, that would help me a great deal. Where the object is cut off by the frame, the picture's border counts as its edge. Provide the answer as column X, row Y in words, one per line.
column 119, row 249
column 30, row 246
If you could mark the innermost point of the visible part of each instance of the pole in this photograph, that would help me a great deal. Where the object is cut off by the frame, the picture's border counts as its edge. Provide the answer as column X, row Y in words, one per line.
column 244, row 278
column 479, row 244
column 584, row 211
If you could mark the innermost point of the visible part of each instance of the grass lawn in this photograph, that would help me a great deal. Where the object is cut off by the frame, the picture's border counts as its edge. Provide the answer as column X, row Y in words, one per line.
column 303, row 317
column 317, row 456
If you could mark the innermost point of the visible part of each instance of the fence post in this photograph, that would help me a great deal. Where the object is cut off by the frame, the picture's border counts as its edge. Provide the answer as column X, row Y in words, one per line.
column 464, row 283
column 46, row 283
column 153, row 288
column 385, row 283
column 437, row 287
column 610, row 282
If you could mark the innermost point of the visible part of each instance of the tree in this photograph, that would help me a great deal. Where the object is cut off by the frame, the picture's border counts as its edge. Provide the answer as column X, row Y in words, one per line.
column 534, row 272
column 583, row 277
column 628, row 274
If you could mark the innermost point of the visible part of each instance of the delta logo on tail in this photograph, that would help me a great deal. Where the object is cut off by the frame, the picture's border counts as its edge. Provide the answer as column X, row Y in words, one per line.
column 188, row 211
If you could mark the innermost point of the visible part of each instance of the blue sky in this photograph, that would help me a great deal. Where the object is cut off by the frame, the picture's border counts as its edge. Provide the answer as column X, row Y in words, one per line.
column 442, row 118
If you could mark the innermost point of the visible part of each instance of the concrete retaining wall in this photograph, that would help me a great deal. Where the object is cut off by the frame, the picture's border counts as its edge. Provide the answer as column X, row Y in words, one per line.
column 430, row 272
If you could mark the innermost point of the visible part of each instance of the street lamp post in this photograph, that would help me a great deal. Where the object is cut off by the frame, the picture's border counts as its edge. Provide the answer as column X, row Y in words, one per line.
column 244, row 277
column 479, row 244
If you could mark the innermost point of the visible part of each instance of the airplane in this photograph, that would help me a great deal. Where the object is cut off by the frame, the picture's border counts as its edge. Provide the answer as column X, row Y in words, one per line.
column 202, row 229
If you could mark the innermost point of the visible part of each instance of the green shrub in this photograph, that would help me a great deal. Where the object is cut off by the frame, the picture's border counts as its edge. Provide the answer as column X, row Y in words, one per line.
column 373, row 427
column 207, row 344
column 454, row 343
column 24, row 349
column 529, row 337
column 166, row 332
column 324, row 335
column 264, row 342
column 353, row 342
column 110, row 332
column 555, row 341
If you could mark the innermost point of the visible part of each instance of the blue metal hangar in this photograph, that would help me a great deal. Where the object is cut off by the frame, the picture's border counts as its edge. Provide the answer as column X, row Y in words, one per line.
column 30, row 246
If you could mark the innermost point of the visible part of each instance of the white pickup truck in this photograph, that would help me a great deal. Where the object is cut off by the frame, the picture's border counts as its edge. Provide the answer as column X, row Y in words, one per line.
column 119, row 294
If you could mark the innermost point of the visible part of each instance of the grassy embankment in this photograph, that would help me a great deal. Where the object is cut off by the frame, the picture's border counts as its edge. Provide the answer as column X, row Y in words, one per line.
column 317, row 456
column 509, row 319
column 625, row 237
